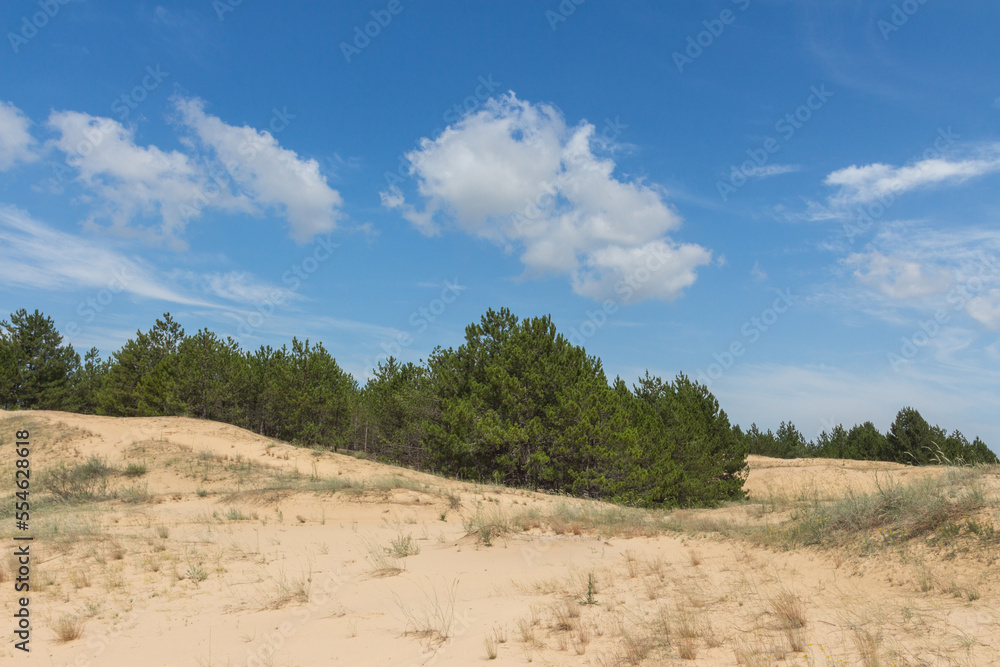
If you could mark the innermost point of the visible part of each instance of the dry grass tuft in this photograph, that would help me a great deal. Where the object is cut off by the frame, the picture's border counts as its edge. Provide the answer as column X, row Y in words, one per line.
column 686, row 626
column 525, row 631
column 796, row 640
column 382, row 560
column 581, row 638
column 652, row 586
column 637, row 646
column 868, row 647
column 68, row 628
column 632, row 564
column 115, row 550
column 490, row 643
column 565, row 616
column 433, row 620
column 790, row 610
column 290, row 590
column 404, row 545
column 687, row 649
column 81, row 579
column 751, row 656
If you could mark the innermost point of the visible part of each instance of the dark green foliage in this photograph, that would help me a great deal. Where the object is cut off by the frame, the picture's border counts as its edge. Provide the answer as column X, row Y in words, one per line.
column 516, row 404
column 910, row 439
column 89, row 381
column 309, row 396
column 957, row 449
column 143, row 376
column 208, row 371
column 9, row 370
column 711, row 459
column 35, row 366
column 393, row 412
column 644, row 472
column 831, row 445
column 791, row 443
column 978, row 452
column 519, row 404
column 760, row 443
column 865, row 442
column 258, row 391
column 787, row 443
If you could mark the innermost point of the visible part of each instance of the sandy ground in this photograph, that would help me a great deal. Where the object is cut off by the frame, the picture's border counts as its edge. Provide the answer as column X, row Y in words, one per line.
column 227, row 548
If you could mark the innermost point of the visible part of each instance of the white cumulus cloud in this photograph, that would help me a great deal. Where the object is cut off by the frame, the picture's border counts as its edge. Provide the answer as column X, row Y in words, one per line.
column 267, row 174
column 133, row 181
column 899, row 277
column 16, row 142
column 986, row 308
column 145, row 190
column 515, row 173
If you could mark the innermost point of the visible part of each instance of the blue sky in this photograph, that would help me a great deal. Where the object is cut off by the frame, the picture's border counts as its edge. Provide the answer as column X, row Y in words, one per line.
column 794, row 202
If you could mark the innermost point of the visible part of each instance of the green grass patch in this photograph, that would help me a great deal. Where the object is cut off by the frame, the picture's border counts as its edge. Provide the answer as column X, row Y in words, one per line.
column 82, row 483
column 135, row 470
column 938, row 509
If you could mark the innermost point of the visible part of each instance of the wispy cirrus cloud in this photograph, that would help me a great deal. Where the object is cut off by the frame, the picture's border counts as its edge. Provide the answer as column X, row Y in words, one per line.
column 35, row 256
column 768, row 170
column 908, row 267
column 863, row 184
column 244, row 288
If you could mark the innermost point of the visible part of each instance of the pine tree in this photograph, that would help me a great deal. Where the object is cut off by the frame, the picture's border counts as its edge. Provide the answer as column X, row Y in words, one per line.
column 143, row 376
column 307, row 397
column 910, row 439
column 790, row 442
column 865, row 443
column 393, row 408
column 711, row 457
column 831, row 445
column 35, row 366
column 759, row 442
column 9, row 372
column 980, row 453
column 644, row 470
column 88, row 381
column 208, row 377
column 518, row 404
column 258, row 389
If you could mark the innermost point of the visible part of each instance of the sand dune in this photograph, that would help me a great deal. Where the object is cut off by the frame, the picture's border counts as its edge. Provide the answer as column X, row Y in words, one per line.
column 205, row 544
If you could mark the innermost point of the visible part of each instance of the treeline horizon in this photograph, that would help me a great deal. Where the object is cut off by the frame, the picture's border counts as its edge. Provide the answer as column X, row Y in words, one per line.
column 517, row 404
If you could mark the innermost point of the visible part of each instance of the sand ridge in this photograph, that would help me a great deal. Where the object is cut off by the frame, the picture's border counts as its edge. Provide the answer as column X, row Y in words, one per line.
column 222, row 547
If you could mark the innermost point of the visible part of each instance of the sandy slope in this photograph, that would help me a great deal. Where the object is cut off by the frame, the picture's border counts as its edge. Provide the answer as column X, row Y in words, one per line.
column 220, row 555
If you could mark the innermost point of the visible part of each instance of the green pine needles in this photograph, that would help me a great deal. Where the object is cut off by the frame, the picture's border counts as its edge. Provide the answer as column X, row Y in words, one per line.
column 516, row 403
